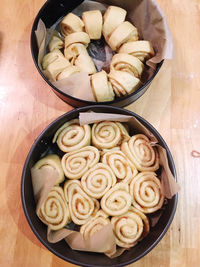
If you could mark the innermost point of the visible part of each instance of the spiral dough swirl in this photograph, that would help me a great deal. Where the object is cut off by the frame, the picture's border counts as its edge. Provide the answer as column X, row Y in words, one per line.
column 139, row 151
column 54, row 210
column 95, row 224
column 76, row 163
column 98, row 180
column 117, row 200
column 108, row 134
column 81, row 206
column 120, row 165
column 130, row 227
column 71, row 136
column 145, row 189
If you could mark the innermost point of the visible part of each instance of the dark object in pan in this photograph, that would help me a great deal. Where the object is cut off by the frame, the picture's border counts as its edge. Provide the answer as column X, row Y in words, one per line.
column 61, row 249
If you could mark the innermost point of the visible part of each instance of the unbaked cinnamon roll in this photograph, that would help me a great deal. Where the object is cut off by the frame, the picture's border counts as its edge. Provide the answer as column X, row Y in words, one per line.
column 54, row 211
column 70, row 24
column 51, row 161
column 76, row 163
column 77, row 37
column 92, row 20
column 130, row 227
column 143, row 50
column 77, row 55
column 124, row 131
column 81, row 206
column 55, row 68
column 112, row 18
column 123, row 169
column 98, row 180
column 51, row 57
column 122, row 34
column 101, row 87
column 85, row 63
column 55, row 43
column 73, row 51
column 53, row 64
column 127, row 63
column 140, row 151
column 123, row 83
column 146, row 191
column 71, row 136
column 95, row 224
column 117, row 200
column 108, row 134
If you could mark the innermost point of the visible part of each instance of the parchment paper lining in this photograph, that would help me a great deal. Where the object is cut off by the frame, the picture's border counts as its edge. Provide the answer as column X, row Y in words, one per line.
column 146, row 15
column 104, row 240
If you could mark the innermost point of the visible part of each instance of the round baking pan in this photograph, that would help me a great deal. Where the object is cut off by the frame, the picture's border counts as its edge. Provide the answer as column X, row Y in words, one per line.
column 51, row 12
column 61, row 249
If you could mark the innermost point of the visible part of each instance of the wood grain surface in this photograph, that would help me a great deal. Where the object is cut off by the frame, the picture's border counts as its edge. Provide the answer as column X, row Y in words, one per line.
column 27, row 106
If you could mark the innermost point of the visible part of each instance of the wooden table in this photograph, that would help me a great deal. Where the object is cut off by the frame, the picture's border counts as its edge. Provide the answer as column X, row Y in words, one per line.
column 27, row 106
